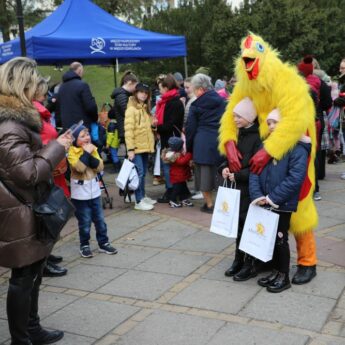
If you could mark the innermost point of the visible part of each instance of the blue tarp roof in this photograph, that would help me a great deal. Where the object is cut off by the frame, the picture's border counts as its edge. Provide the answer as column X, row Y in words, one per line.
column 80, row 30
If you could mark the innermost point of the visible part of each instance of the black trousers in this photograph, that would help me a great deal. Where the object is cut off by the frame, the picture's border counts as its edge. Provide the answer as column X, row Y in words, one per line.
column 321, row 156
column 180, row 192
column 22, row 302
column 281, row 254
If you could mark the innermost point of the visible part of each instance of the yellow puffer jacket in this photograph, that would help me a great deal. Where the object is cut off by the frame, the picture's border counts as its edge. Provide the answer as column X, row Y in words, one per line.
column 138, row 131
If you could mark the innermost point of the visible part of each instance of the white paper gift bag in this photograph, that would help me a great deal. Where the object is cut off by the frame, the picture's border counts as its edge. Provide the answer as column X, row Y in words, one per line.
column 157, row 166
column 126, row 169
column 226, row 212
column 259, row 233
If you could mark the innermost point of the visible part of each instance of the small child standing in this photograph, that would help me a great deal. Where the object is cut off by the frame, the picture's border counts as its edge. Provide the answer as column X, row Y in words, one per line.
column 180, row 172
column 244, row 266
column 278, row 187
column 113, row 144
column 85, row 163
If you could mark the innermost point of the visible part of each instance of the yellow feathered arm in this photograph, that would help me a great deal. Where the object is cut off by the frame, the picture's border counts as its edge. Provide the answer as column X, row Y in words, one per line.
column 291, row 96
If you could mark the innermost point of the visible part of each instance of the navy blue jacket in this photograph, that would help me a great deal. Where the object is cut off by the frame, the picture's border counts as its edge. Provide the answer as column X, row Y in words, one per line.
column 282, row 180
column 75, row 101
column 202, row 128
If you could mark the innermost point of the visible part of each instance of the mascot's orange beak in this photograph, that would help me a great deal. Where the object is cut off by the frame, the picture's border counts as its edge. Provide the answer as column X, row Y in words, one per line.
column 251, row 67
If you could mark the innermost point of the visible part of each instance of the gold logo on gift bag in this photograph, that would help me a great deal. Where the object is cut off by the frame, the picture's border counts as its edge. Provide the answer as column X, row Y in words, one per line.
column 260, row 229
column 225, row 207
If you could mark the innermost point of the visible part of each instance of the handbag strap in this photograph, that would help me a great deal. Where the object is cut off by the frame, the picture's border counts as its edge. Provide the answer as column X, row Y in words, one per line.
column 179, row 131
column 20, row 197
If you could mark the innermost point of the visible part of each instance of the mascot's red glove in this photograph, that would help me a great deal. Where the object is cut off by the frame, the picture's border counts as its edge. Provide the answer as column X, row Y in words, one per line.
column 233, row 156
column 259, row 161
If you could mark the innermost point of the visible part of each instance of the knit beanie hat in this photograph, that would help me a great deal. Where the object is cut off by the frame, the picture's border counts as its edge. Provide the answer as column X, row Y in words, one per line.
column 306, row 66
column 76, row 133
column 246, row 109
column 178, row 76
column 175, row 144
column 274, row 115
column 219, row 84
column 203, row 70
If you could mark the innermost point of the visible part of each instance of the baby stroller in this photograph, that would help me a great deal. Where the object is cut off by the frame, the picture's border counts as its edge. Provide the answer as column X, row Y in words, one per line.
column 107, row 199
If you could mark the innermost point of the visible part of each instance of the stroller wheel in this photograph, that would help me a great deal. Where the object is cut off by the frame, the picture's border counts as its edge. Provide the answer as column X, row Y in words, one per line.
column 104, row 203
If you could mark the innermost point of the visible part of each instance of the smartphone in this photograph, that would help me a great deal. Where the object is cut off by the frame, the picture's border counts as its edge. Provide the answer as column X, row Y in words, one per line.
column 75, row 127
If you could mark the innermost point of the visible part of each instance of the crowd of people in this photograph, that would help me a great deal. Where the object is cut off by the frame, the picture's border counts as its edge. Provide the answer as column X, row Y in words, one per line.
column 193, row 129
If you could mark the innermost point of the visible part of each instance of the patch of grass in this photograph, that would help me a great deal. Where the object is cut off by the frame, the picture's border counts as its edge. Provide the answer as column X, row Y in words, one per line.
column 100, row 79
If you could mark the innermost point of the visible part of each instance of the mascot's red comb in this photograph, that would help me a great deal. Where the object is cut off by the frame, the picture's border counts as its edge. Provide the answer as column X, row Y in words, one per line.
column 248, row 42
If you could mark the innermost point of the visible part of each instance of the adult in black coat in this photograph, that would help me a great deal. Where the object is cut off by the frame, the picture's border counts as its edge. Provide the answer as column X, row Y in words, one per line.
column 120, row 96
column 202, row 136
column 74, row 100
column 169, row 114
column 173, row 121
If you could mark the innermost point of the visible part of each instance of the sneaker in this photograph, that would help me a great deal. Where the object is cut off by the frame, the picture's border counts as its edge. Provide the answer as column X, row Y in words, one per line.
column 142, row 206
column 175, row 204
column 107, row 248
column 197, row 196
column 342, row 176
column 149, row 201
column 187, row 203
column 317, row 196
column 85, row 252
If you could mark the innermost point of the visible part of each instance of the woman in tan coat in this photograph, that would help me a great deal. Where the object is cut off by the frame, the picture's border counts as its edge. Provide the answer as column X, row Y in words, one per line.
column 25, row 169
column 140, row 140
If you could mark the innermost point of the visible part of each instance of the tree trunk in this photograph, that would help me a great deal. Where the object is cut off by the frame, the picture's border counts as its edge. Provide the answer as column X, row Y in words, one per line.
column 5, row 21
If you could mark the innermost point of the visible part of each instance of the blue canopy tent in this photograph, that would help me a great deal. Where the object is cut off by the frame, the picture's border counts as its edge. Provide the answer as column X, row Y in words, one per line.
column 80, row 30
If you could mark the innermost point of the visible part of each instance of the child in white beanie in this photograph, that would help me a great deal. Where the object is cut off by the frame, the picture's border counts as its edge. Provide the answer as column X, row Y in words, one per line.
column 278, row 187
column 244, row 266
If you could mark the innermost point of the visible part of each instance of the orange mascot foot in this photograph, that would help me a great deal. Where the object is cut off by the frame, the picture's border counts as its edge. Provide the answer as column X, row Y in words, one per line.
column 306, row 258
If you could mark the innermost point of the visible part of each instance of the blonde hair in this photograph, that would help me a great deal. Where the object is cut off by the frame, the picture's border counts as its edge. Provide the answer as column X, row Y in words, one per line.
column 19, row 78
column 42, row 87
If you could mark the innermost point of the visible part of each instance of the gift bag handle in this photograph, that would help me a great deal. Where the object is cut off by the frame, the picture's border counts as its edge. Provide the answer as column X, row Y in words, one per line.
column 232, row 184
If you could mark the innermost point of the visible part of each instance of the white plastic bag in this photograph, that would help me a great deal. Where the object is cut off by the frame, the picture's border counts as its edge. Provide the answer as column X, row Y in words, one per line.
column 259, row 233
column 157, row 166
column 133, row 179
column 126, row 169
column 226, row 211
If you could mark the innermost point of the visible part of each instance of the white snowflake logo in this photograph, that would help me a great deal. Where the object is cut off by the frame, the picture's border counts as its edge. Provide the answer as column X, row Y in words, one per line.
column 97, row 45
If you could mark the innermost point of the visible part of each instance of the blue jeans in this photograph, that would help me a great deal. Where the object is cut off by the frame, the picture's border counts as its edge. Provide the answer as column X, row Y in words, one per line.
column 88, row 211
column 166, row 173
column 140, row 161
column 113, row 154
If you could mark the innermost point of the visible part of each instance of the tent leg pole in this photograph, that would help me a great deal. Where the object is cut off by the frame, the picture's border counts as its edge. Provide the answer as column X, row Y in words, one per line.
column 117, row 69
column 115, row 74
column 185, row 67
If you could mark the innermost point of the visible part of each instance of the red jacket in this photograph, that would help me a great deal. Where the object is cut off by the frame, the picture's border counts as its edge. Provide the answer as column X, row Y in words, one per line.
column 49, row 133
column 180, row 169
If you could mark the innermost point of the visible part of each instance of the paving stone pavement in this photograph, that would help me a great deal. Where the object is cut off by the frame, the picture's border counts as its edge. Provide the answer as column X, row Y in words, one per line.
column 166, row 285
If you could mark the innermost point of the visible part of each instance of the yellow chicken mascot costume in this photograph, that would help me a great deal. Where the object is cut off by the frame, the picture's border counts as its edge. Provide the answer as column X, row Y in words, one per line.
column 270, row 84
